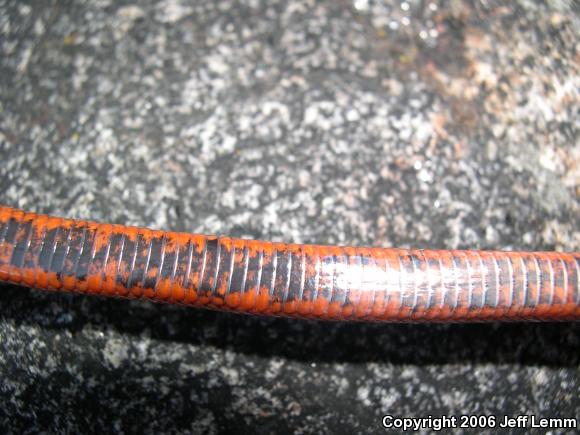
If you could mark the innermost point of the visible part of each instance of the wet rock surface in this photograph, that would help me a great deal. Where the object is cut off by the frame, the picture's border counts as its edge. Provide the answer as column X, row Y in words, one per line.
column 443, row 124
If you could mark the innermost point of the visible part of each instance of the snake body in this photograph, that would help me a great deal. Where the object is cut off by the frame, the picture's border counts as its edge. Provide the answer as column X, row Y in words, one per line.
column 295, row 280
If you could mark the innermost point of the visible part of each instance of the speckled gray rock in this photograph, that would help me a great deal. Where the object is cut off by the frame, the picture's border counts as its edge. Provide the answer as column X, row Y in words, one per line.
column 445, row 124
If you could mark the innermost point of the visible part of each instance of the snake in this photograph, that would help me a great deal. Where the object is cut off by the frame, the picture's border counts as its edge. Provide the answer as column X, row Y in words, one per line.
column 286, row 279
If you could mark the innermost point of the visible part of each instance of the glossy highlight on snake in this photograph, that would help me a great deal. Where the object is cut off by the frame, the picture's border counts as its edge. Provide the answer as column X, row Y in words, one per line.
column 282, row 279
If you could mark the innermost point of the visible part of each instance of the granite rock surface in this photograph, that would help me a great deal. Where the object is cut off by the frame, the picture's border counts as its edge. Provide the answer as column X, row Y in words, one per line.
column 435, row 124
